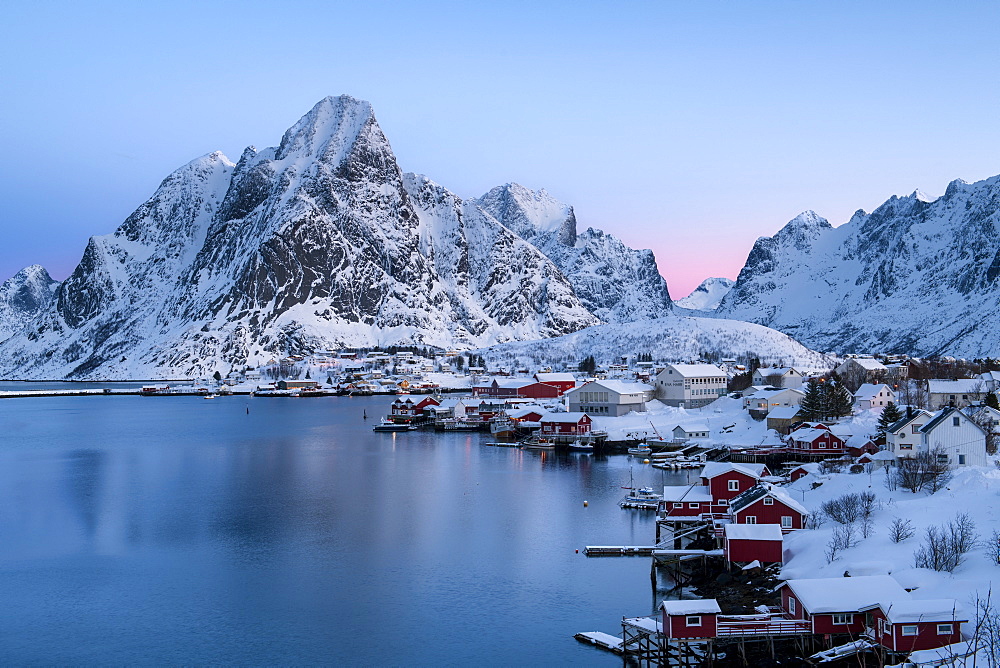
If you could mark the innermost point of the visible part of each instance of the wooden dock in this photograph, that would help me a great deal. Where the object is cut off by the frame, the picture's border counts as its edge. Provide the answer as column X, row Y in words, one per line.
column 619, row 550
column 22, row 394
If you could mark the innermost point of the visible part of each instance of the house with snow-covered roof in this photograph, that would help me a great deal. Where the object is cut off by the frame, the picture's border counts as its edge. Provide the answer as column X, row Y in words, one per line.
column 564, row 381
column 954, row 436
column 781, row 418
column 727, row 480
column 908, row 625
column 565, row 424
column 864, row 368
column 766, row 504
column 991, row 380
column 690, row 385
column 753, row 542
column 958, row 393
column 685, row 501
column 609, row 397
column 690, row 619
column 689, row 431
column 835, row 605
column 874, row 395
column 902, row 437
column 815, row 442
column 781, row 377
column 764, row 400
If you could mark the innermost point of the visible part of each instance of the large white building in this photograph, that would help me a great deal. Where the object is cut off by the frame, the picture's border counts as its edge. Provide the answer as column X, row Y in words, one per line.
column 690, row 385
column 958, row 393
column 609, row 397
column 954, row 435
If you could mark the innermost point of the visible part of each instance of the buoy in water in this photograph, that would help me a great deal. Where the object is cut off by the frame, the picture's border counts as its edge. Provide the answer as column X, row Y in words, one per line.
column 584, row 504
column 645, row 461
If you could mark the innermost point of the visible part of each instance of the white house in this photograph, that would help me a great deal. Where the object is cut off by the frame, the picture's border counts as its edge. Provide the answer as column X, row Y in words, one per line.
column 697, row 430
column 902, row 437
column 872, row 395
column 991, row 380
column 609, row 397
column 864, row 368
column 690, row 385
column 784, row 377
column 954, row 435
column 958, row 393
column 762, row 401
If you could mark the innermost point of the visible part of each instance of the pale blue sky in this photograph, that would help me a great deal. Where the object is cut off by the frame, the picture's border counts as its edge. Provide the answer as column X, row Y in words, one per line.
column 689, row 128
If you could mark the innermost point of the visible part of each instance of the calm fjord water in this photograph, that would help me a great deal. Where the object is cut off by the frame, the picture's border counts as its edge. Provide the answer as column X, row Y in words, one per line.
column 180, row 530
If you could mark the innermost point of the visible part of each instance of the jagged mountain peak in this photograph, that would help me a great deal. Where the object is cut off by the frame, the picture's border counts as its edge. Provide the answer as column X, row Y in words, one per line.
column 708, row 295
column 329, row 131
column 23, row 296
column 531, row 212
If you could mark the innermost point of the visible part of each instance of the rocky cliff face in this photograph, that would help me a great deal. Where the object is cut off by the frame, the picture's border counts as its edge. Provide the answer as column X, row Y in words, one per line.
column 322, row 242
column 916, row 275
column 708, row 295
column 23, row 296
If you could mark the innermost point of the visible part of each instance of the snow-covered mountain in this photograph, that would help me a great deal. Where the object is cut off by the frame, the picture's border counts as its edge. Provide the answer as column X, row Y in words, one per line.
column 669, row 338
column 708, row 295
column 321, row 242
column 916, row 275
column 23, row 296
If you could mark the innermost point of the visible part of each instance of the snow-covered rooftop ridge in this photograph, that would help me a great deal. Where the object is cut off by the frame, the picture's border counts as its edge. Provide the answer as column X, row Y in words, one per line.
column 713, row 469
column 850, row 594
column 753, row 531
column 928, row 610
column 961, row 386
column 619, row 386
column 697, row 370
column 705, row 606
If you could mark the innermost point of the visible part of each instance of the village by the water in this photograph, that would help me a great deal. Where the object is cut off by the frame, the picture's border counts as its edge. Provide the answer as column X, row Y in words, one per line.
column 831, row 515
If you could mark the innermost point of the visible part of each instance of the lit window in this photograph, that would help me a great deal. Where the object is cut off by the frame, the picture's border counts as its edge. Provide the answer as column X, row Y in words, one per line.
column 843, row 619
column 909, row 630
column 944, row 629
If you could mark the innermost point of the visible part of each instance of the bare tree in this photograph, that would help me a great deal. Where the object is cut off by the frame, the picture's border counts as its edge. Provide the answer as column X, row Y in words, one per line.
column 900, row 530
column 843, row 538
column 993, row 547
column 944, row 548
column 984, row 418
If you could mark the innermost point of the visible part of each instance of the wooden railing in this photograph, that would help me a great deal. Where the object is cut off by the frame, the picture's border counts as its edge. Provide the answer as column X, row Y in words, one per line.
column 762, row 627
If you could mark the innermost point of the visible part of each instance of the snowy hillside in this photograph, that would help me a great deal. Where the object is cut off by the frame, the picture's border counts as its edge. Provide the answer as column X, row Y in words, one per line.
column 916, row 275
column 322, row 242
column 708, row 295
column 23, row 296
column 668, row 338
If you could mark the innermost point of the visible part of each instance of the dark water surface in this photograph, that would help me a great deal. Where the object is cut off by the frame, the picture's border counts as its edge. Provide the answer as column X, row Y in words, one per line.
column 181, row 530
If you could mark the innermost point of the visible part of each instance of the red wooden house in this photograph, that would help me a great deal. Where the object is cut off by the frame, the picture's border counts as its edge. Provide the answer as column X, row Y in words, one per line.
column 726, row 481
column 685, row 501
column 802, row 470
column 690, row 619
column 765, row 504
column 905, row 626
column 815, row 441
column 568, row 424
column 834, row 605
column 406, row 409
column 753, row 542
column 564, row 382
column 517, row 388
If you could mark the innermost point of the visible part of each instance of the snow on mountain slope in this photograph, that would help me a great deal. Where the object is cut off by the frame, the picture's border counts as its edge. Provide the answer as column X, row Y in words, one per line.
column 23, row 296
column 668, row 338
column 319, row 242
column 615, row 282
column 914, row 276
column 708, row 295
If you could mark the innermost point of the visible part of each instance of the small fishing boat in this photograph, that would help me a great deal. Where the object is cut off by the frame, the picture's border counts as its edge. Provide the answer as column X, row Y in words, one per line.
column 643, row 498
column 577, row 446
column 640, row 450
column 538, row 445
column 389, row 425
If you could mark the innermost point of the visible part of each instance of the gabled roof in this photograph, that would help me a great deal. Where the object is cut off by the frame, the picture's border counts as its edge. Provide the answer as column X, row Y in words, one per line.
column 714, row 469
column 826, row 595
column 689, row 493
column 772, row 371
column 867, row 363
column 555, row 377
column 960, row 386
column 784, row 412
column 905, row 420
column 697, row 370
column 753, row 531
column 928, row 610
column 870, row 391
column 618, row 386
column 703, row 606
column 563, row 417
column 944, row 414
column 808, row 434
column 761, row 490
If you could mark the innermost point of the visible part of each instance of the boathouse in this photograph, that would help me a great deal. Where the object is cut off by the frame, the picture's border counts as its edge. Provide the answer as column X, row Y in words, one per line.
column 521, row 387
column 835, row 605
column 752, row 542
column 405, row 409
column 765, row 504
column 564, row 382
column 691, row 619
column 568, row 424
column 687, row 501
column 815, row 442
column 905, row 626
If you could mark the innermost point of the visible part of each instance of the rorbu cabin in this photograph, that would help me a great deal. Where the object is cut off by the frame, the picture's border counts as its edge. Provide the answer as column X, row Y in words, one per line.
column 765, row 504
column 835, row 605
column 726, row 480
column 905, row 626
column 571, row 424
column 685, row 501
column 691, row 619
column 744, row 543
